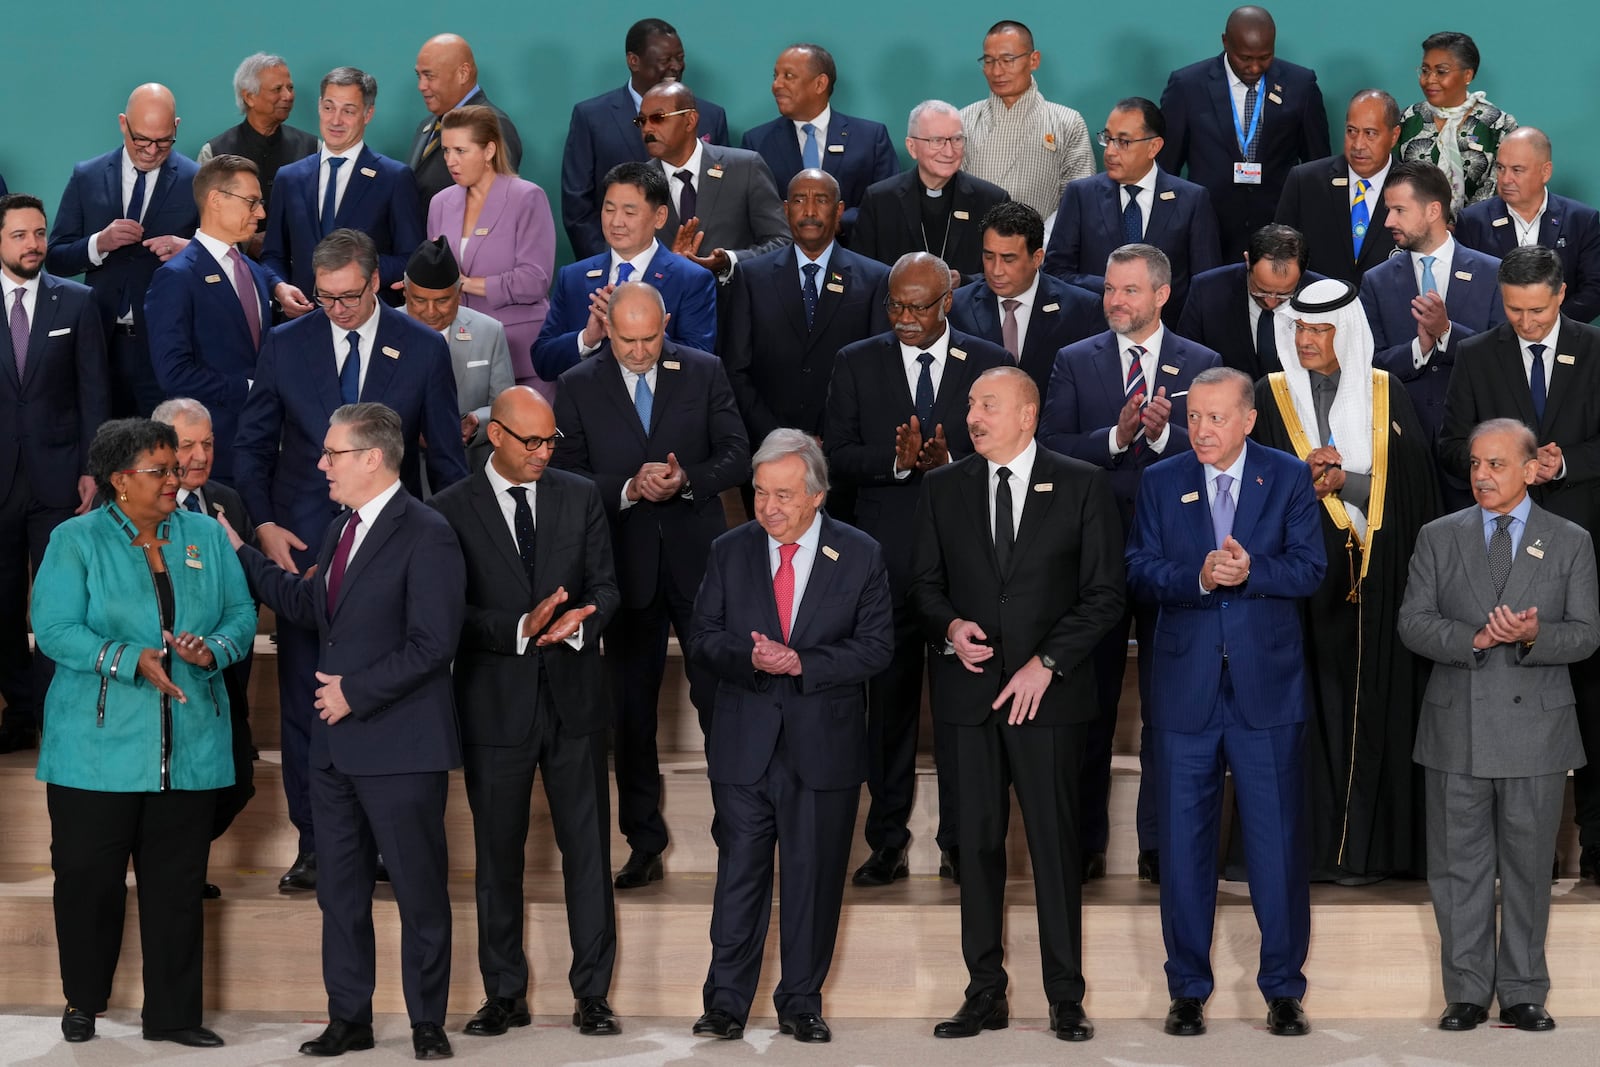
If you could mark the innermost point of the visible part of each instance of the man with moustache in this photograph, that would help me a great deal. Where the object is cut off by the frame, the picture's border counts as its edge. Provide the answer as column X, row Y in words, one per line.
column 1232, row 309
column 447, row 78
column 895, row 413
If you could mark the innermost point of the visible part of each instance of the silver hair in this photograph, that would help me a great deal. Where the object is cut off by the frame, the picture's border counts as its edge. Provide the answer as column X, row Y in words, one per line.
column 929, row 107
column 782, row 443
column 247, row 79
column 351, row 76
column 180, row 407
column 1155, row 260
column 1516, row 427
column 1230, row 375
column 373, row 426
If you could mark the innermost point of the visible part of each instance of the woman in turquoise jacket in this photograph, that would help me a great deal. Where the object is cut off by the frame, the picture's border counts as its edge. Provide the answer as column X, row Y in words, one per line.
column 140, row 605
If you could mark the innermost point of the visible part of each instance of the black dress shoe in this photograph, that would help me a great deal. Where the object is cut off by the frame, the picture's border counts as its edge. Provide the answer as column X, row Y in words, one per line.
column 885, row 865
column 302, row 876
column 718, row 1023
column 950, row 864
column 18, row 736
column 641, row 869
column 192, row 1036
column 210, row 891
column 1461, row 1015
column 806, row 1026
column 1186, row 1017
column 1069, row 1022
column 594, row 1018
column 1531, row 1017
column 340, row 1037
column 429, row 1043
column 1286, row 1018
column 497, row 1015
column 76, row 1025
column 982, row 1012
column 1150, row 866
column 1094, row 866
column 1589, row 863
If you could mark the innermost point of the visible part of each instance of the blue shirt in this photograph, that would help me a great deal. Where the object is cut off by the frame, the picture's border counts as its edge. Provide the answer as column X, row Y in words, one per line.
column 800, row 261
column 1519, row 522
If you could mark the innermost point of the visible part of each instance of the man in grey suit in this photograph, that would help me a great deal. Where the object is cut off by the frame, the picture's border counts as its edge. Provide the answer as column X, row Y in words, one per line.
column 1502, row 597
column 479, row 354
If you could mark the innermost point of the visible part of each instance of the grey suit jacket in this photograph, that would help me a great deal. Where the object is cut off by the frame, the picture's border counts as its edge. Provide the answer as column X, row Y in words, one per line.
column 1510, row 712
column 737, row 203
column 481, row 361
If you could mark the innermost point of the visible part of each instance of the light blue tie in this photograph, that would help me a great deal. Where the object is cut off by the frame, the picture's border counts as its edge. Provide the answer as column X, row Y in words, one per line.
column 809, row 156
column 1428, row 283
column 643, row 400
column 1222, row 509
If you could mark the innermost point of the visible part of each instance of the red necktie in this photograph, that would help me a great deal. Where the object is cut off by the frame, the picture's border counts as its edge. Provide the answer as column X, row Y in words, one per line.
column 341, row 556
column 783, row 586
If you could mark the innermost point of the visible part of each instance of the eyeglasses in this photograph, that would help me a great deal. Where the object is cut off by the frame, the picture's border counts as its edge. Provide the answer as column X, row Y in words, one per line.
column 163, row 143
column 1438, row 72
column 329, row 453
column 1319, row 329
column 348, row 301
column 656, row 118
column 161, row 473
column 532, row 442
column 1263, row 295
column 1122, row 143
column 250, row 202
column 990, row 62
column 895, row 308
column 939, row 144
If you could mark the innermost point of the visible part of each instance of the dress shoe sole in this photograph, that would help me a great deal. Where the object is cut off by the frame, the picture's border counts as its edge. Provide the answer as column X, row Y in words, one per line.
column 733, row 1033
column 434, row 1054
column 1460, row 1025
column 1185, row 1031
column 987, row 1024
column 310, row 1048
column 607, row 1029
column 1541, row 1027
column 1297, row 1030
column 876, row 879
column 511, row 1020
column 806, row 1038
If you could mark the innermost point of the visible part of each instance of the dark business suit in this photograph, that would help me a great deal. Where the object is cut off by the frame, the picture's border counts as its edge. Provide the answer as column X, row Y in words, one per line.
column 889, row 223
column 601, row 135
column 91, row 201
column 868, row 398
column 429, row 169
column 1570, row 228
column 780, row 367
column 1060, row 594
column 281, row 429
column 660, row 548
column 1062, row 314
column 380, row 775
column 48, row 417
column 543, row 708
column 1216, row 314
column 1229, row 684
column 380, row 200
column 1089, row 228
column 1086, row 396
column 200, row 343
column 787, row 754
column 1316, row 201
column 688, row 290
column 736, row 201
column 1291, row 127
column 858, row 154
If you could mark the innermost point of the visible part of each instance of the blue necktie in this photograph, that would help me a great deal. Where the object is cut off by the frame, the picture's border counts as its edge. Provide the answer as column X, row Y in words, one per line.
column 624, row 272
column 643, row 401
column 810, row 158
column 1428, row 283
column 1536, row 384
column 1222, row 509
column 350, row 373
column 330, row 196
column 808, row 292
column 136, row 201
column 1132, row 217
column 1360, row 216
column 193, row 504
column 925, row 394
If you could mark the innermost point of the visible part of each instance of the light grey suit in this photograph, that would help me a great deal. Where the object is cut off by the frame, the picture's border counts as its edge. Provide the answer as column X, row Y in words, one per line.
column 1497, row 735
column 737, row 202
column 481, row 360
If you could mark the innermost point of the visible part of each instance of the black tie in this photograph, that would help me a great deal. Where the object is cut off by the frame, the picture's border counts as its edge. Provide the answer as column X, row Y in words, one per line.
column 1500, row 554
column 1267, row 343
column 523, row 522
column 1004, row 535
column 686, row 196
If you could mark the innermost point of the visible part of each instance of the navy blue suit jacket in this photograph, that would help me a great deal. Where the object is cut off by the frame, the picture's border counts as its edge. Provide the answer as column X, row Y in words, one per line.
column 49, row 415
column 778, row 366
column 380, row 200
column 1086, row 397
column 889, row 223
column 1474, row 305
column 1216, row 315
column 687, row 289
column 601, row 135
column 1569, row 227
column 1279, row 523
column 296, row 391
column 1062, row 314
column 843, row 631
column 1089, row 228
column 859, row 153
column 200, row 344
column 91, row 201
column 1316, row 201
column 391, row 639
column 1293, row 128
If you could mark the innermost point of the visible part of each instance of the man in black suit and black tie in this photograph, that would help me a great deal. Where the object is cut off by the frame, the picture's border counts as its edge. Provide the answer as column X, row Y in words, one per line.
column 655, row 426
column 1232, row 310
column 530, row 694
column 1017, row 576
column 896, row 410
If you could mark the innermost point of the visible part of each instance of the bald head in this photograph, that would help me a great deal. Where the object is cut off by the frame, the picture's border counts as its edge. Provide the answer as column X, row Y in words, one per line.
column 1522, row 169
column 518, row 404
column 636, row 321
column 919, row 268
column 446, row 71
column 1536, row 139
column 920, row 292
column 149, row 125
column 151, row 98
column 521, row 417
column 1249, row 39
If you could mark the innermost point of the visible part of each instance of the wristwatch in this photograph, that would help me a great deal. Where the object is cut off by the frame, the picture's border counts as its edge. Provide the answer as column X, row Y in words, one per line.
column 1048, row 661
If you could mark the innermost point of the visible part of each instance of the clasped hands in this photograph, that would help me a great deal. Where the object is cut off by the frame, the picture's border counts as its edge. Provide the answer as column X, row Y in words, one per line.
column 658, row 481
column 773, row 657
column 1550, row 461
column 1507, row 627
column 1139, row 414
column 914, row 453
column 1228, row 565
column 189, row 648
column 1432, row 318
column 538, row 627
column 1327, row 474
column 1026, row 687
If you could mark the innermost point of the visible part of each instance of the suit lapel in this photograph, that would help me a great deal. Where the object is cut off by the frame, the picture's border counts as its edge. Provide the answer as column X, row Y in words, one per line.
column 487, row 509
column 669, row 384
column 1108, row 364
column 205, row 265
column 1507, row 356
column 383, row 528
column 976, row 493
column 113, row 185
column 622, row 113
column 356, row 189
column 708, row 189
column 895, row 370
column 788, row 150
column 1197, row 506
column 386, row 353
column 1155, row 230
column 614, row 386
column 1561, row 374
column 1525, row 565
column 951, row 399
column 783, row 279
column 324, row 371
column 828, row 301
column 1035, row 504
column 1250, row 497
column 494, row 205
column 1222, row 104
column 911, row 211
column 45, row 305
column 817, row 585
column 1475, row 556
column 166, row 178
column 760, row 571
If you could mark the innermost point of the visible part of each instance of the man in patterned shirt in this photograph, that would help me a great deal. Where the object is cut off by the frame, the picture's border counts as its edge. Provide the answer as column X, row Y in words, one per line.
column 1016, row 138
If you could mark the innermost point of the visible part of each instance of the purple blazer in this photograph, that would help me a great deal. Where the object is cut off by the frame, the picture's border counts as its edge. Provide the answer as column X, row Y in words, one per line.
column 513, row 249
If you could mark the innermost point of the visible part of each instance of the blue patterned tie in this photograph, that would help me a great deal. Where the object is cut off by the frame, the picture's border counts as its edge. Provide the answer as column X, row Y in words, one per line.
column 810, row 158
column 1429, row 285
column 330, row 196
column 1132, row 217
column 1360, row 216
column 1222, row 509
column 1536, row 383
column 193, row 504
column 925, row 394
column 1249, row 150
column 643, row 401
column 350, row 373
column 808, row 292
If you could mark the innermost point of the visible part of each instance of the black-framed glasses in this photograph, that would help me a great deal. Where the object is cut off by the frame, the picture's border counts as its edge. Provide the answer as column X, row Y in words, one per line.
column 161, row 473
column 939, row 144
column 329, row 453
column 163, row 143
column 895, row 308
column 1009, row 60
column 532, row 442
column 656, row 118
column 1122, row 143
column 348, row 301
column 251, row 202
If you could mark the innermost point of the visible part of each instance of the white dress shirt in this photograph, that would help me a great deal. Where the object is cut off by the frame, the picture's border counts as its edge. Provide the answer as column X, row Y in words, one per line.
column 219, row 251
column 1024, row 311
column 1375, row 208
column 822, row 261
column 1528, row 232
column 368, row 334
column 1549, row 361
column 369, row 513
column 1150, row 362
column 676, row 185
column 349, row 155
column 801, row 564
column 1021, row 469
column 130, row 174
column 940, row 351
column 1444, row 258
column 508, row 510
column 821, row 125
column 30, row 297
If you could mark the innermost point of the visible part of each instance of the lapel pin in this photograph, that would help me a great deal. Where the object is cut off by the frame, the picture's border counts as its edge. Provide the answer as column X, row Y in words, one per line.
column 658, row 276
column 1167, row 368
column 956, row 353
column 836, row 148
column 831, row 552
column 368, row 172
column 1051, row 307
column 1535, row 551
column 1501, row 222
column 1568, row 360
column 1169, row 195
column 835, row 276
column 392, row 353
column 671, row 364
column 1561, row 242
column 835, row 287
column 1342, row 182
column 1396, row 426
column 1277, row 88
column 480, row 232
column 1044, row 487
column 1050, row 142
column 594, row 273
column 463, row 334
column 1464, row 275
column 961, row 215
column 213, row 279
column 714, row 172
column 1189, row 498
column 1260, row 480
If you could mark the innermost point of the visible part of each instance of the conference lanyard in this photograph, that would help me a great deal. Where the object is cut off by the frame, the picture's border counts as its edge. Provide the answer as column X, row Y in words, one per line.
column 1238, row 126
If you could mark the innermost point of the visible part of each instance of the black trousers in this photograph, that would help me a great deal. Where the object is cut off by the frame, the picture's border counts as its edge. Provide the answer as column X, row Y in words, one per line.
column 894, row 715
column 134, row 389
column 232, row 800
column 168, row 837
column 499, row 789
column 25, row 527
column 1110, row 660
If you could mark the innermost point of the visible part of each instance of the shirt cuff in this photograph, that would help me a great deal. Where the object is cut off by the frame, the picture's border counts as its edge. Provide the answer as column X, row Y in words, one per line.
column 522, row 639
column 733, row 261
column 900, row 475
column 587, row 350
column 96, row 257
column 1160, row 443
column 1443, row 342
column 1419, row 358
column 626, row 503
column 1111, row 440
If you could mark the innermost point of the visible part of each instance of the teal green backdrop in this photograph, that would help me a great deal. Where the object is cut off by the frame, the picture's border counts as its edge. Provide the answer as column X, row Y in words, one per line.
column 70, row 65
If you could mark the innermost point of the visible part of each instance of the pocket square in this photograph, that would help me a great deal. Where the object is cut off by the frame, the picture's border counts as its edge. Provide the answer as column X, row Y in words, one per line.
column 61, row 332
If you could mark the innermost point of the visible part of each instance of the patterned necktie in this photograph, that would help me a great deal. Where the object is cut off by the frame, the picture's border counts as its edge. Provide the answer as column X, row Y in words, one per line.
column 246, row 285
column 643, row 401
column 783, row 586
column 1323, row 392
column 136, row 200
column 1500, row 554
column 19, row 332
column 350, row 373
column 341, row 558
column 330, row 195
column 1134, row 386
column 1249, row 150
column 1536, row 383
column 522, row 519
column 193, row 504
column 1008, row 328
column 808, row 292
column 1267, row 343
column 433, row 140
column 1429, row 285
column 1222, row 509
column 624, row 272
column 1132, row 217
column 924, row 396
column 810, row 157
column 687, row 201
column 1360, row 215
column 1005, row 537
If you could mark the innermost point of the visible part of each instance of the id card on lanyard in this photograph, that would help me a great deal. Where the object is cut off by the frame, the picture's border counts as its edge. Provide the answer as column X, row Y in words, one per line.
column 1247, row 173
